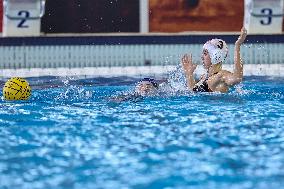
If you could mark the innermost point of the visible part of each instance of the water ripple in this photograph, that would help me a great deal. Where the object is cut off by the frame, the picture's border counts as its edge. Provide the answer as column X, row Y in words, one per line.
column 73, row 137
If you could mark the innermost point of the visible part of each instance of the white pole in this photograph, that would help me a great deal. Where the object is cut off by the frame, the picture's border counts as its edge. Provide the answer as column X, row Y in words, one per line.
column 144, row 16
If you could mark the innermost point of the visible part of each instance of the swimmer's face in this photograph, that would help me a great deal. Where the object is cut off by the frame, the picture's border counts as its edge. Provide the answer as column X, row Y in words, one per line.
column 206, row 59
column 145, row 88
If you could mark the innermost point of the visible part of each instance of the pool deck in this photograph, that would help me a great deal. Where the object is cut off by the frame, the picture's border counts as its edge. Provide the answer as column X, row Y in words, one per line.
column 158, row 71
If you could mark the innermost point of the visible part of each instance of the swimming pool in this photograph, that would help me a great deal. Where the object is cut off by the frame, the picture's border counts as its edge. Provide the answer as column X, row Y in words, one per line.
column 69, row 135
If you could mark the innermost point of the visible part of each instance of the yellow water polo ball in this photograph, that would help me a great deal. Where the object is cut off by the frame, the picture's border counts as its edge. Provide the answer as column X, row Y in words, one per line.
column 16, row 88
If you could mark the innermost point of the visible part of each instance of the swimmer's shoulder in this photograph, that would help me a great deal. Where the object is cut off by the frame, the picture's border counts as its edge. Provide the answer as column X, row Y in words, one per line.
column 125, row 97
column 223, row 74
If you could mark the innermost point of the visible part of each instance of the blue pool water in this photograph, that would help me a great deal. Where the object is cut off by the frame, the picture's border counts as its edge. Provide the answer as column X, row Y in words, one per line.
column 69, row 135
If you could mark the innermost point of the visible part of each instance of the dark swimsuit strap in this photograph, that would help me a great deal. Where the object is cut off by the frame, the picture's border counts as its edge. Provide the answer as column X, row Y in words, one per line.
column 203, row 87
column 207, row 77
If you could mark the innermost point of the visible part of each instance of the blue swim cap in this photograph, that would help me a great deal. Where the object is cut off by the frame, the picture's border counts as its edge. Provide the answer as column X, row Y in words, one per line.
column 151, row 80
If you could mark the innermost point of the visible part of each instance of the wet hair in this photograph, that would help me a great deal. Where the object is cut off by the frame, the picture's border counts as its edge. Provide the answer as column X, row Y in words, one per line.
column 151, row 80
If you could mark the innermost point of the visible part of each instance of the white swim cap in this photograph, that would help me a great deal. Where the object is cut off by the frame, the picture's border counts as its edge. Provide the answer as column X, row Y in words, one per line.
column 217, row 49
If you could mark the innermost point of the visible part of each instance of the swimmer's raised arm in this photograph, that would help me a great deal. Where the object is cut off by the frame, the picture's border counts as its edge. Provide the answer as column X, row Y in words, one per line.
column 238, row 70
column 189, row 68
column 237, row 76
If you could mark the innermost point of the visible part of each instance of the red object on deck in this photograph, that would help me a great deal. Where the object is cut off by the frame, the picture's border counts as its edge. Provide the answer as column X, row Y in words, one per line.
column 1, row 15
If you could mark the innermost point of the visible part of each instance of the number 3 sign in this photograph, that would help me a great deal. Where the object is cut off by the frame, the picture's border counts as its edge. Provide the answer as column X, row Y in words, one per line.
column 263, row 16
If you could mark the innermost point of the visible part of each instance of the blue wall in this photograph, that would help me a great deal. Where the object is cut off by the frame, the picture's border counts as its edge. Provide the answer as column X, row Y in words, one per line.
column 134, row 40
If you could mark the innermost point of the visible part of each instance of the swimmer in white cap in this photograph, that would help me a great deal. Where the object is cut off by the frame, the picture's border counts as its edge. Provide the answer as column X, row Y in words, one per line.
column 214, row 54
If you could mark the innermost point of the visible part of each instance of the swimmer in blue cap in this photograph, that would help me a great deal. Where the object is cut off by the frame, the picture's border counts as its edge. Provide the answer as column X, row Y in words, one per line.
column 145, row 87
column 214, row 54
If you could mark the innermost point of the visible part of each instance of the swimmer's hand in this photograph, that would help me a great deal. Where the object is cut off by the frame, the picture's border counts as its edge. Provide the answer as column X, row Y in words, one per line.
column 189, row 68
column 242, row 37
column 187, row 64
